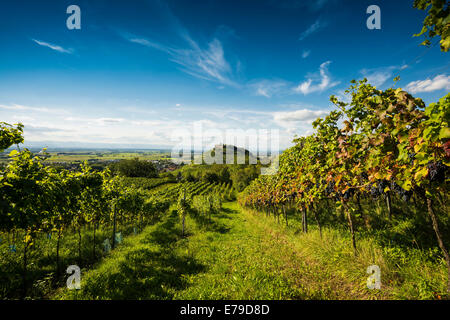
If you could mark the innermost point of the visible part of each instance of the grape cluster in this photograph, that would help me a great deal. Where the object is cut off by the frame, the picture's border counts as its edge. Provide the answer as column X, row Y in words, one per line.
column 406, row 195
column 436, row 171
column 382, row 184
column 377, row 189
column 374, row 192
column 330, row 188
column 411, row 157
column 347, row 194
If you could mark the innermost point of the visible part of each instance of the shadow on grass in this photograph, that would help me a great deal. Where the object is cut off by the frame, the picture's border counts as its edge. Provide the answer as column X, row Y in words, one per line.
column 230, row 211
column 155, row 272
column 42, row 276
column 210, row 225
column 145, row 274
column 167, row 231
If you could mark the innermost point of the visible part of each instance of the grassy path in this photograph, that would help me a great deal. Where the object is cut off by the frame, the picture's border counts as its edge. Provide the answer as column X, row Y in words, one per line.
column 237, row 256
column 253, row 258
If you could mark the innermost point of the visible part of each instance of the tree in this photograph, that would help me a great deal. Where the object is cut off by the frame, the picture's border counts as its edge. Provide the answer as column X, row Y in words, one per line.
column 134, row 168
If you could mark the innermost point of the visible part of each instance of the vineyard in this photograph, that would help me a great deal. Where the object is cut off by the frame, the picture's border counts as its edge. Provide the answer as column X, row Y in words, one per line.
column 376, row 166
column 50, row 218
column 356, row 208
column 381, row 175
column 379, row 172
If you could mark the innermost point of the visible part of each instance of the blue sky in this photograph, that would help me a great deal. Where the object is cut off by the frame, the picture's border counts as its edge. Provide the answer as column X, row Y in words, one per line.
column 139, row 70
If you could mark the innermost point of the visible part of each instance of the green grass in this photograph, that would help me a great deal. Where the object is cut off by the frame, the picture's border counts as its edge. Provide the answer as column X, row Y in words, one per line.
column 219, row 260
column 41, row 274
column 103, row 156
column 239, row 255
column 150, row 265
column 258, row 259
column 246, row 255
column 406, row 272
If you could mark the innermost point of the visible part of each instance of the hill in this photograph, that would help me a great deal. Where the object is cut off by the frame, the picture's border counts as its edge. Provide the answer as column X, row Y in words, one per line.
column 237, row 156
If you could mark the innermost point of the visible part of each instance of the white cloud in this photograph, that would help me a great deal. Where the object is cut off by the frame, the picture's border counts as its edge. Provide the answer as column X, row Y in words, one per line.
column 23, row 118
column 104, row 121
column 153, row 130
column 209, row 63
column 205, row 63
column 52, row 46
column 134, row 109
column 298, row 115
column 297, row 122
column 344, row 97
column 316, row 26
column 378, row 76
column 306, row 53
column 150, row 44
column 267, row 88
column 96, row 121
column 438, row 83
column 323, row 81
column 41, row 130
column 21, row 108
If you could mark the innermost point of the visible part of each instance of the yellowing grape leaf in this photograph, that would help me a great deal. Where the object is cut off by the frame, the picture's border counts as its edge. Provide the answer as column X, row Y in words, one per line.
column 421, row 174
column 444, row 133
column 13, row 153
column 27, row 238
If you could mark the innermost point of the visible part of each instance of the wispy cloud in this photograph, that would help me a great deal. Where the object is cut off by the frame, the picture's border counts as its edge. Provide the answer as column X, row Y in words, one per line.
column 297, row 121
column 306, row 53
column 317, row 83
column 40, row 129
column 149, row 44
column 21, row 108
column 53, row 46
column 207, row 63
column 134, row 110
column 312, row 5
column 343, row 96
column 437, row 83
column 319, row 4
column 96, row 121
column 316, row 26
column 378, row 76
column 109, row 120
column 298, row 115
column 44, row 125
column 268, row 88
